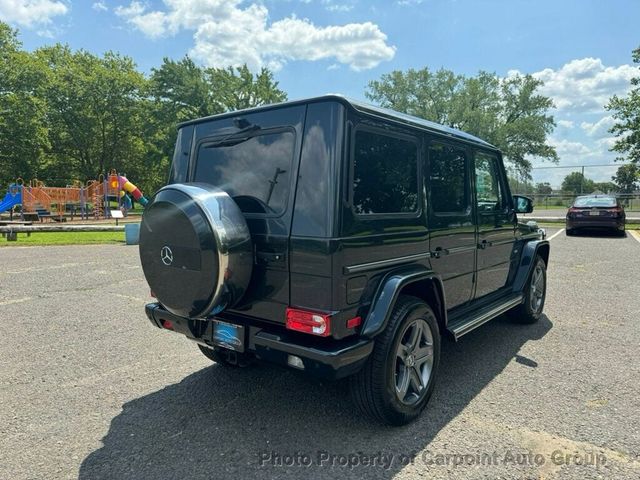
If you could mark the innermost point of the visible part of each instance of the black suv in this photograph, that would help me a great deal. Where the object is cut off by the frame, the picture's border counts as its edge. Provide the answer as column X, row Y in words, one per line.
column 339, row 239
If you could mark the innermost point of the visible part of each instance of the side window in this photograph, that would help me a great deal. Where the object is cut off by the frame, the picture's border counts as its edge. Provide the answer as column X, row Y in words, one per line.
column 489, row 194
column 449, row 184
column 385, row 179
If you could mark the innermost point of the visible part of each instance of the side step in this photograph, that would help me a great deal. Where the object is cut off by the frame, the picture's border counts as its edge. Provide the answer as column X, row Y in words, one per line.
column 461, row 326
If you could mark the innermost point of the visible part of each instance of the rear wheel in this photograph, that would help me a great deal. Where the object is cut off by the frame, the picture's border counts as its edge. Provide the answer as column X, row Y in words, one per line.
column 535, row 292
column 396, row 383
column 226, row 357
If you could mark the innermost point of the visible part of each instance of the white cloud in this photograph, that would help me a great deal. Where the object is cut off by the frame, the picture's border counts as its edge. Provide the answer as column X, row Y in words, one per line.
column 565, row 123
column 600, row 128
column 332, row 6
column 408, row 2
column 585, row 85
column 228, row 33
column 100, row 7
column 29, row 13
column 569, row 149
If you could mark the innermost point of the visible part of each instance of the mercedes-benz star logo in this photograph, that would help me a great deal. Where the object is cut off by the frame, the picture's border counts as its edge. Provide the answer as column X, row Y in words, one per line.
column 166, row 255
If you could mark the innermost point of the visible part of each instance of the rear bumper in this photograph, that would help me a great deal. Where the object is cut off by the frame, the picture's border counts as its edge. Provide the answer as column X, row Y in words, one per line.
column 617, row 223
column 323, row 358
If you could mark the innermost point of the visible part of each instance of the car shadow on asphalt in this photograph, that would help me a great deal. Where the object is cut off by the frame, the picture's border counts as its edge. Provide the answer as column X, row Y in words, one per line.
column 228, row 423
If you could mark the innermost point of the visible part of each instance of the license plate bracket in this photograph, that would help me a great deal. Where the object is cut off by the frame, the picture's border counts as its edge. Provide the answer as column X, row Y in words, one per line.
column 227, row 335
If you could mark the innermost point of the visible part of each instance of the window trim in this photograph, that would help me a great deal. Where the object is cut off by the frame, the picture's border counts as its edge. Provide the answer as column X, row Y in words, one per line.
column 414, row 139
column 468, row 211
column 258, row 133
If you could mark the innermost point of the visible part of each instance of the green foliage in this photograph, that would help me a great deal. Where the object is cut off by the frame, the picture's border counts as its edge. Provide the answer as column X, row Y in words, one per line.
column 71, row 115
column 577, row 183
column 627, row 178
column 544, row 188
column 626, row 112
column 508, row 113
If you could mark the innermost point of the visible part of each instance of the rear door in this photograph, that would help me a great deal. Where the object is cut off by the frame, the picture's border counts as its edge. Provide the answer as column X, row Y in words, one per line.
column 496, row 224
column 254, row 158
column 451, row 225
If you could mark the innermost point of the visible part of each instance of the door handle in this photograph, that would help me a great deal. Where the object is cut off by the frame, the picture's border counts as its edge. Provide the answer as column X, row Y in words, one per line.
column 269, row 257
column 439, row 251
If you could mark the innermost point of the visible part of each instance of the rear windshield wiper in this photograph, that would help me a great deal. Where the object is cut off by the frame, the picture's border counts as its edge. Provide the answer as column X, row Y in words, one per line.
column 234, row 138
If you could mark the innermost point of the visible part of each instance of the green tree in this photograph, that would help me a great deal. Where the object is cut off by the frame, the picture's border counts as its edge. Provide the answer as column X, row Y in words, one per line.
column 627, row 178
column 23, row 131
column 510, row 113
column 626, row 112
column 237, row 89
column 544, row 188
column 605, row 187
column 577, row 183
column 93, row 112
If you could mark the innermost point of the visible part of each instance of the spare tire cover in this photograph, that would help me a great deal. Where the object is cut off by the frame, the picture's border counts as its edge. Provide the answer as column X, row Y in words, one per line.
column 195, row 249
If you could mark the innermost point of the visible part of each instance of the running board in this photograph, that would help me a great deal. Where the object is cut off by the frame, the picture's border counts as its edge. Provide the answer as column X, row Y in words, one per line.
column 460, row 327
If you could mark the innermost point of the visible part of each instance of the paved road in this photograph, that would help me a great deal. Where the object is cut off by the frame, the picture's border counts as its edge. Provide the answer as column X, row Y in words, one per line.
column 89, row 389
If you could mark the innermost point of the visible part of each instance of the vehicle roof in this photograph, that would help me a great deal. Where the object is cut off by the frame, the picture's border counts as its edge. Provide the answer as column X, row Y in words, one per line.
column 361, row 107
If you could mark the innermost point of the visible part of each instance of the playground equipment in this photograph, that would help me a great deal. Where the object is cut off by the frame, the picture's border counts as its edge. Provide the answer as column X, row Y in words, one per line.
column 12, row 198
column 39, row 201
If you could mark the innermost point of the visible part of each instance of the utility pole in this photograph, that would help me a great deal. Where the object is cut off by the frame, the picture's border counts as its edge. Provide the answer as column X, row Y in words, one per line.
column 582, row 180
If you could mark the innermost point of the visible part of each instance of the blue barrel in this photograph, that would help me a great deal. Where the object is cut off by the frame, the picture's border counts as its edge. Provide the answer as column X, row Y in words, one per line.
column 132, row 233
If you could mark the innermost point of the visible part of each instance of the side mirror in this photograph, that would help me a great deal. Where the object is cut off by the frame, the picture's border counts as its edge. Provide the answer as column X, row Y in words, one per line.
column 522, row 204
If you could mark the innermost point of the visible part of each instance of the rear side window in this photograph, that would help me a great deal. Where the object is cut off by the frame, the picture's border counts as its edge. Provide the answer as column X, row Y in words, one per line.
column 385, row 169
column 448, row 179
column 255, row 171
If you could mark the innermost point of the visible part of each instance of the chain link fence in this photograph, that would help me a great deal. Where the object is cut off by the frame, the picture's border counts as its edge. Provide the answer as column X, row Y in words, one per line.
column 561, row 201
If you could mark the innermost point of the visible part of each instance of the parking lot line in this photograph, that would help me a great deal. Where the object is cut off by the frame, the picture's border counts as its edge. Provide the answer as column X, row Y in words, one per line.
column 635, row 234
column 556, row 234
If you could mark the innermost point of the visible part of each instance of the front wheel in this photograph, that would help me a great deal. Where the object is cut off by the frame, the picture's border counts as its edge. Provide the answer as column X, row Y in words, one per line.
column 396, row 383
column 535, row 292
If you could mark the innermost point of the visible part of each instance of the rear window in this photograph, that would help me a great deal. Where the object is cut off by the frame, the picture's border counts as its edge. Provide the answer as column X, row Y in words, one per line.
column 255, row 171
column 595, row 202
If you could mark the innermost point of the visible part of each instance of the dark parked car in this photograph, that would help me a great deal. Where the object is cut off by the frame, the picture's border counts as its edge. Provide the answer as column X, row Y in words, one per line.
column 595, row 211
column 341, row 240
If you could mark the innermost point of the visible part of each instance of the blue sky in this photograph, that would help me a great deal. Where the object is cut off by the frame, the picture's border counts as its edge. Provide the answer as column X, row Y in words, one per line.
column 580, row 48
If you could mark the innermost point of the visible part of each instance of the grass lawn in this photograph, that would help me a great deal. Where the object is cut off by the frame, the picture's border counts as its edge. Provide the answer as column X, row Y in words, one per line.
column 64, row 238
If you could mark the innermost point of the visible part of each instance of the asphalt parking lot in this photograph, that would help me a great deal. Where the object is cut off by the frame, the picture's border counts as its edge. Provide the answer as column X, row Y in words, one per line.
column 89, row 389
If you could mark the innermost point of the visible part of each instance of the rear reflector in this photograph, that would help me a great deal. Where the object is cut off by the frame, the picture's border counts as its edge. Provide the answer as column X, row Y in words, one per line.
column 167, row 324
column 309, row 322
column 354, row 322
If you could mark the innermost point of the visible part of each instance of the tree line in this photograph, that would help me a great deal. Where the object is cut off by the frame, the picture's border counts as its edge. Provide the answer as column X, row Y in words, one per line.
column 71, row 115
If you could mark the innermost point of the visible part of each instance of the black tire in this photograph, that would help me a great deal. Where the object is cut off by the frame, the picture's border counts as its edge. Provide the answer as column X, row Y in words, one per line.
column 227, row 358
column 570, row 232
column 530, row 310
column 374, row 389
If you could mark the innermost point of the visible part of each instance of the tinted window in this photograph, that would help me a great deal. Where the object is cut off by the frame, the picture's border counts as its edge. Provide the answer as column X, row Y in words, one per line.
column 384, row 174
column 255, row 171
column 595, row 202
column 448, row 179
column 489, row 197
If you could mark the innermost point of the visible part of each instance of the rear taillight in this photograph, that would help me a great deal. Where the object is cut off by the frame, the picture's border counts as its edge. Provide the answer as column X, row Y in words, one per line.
column 309, row 322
